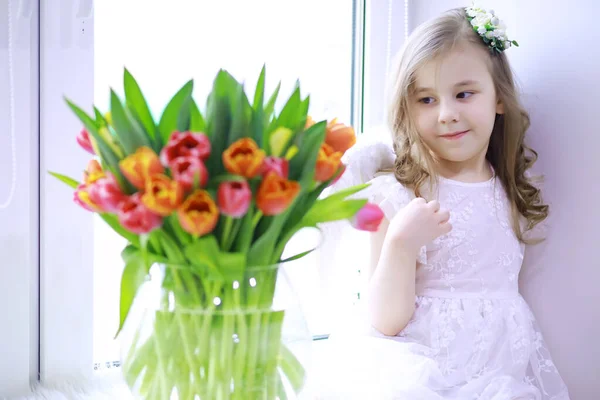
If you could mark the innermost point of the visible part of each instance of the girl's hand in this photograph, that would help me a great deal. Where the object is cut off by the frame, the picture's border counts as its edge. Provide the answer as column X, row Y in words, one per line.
column 419, row 223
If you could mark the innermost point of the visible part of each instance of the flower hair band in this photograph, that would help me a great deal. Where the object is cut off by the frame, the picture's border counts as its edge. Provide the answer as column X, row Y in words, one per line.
column 490, row 28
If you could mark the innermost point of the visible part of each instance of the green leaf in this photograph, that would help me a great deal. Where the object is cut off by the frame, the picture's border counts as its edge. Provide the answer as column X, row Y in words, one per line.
column 259, row 93
column 130, row 134
column 182, row 236
column 100, row 120
column 204, row 253
column 298, row 256
column 232, row 265
column 332, row 211
column 246, row 232
column 302, row 165
column 135, row 100
column 107, row 155
column 185, row 115
column 169, row 117
column 65, row 179
column 197, row 123
column 113, row 222
column 342, row 194
column 290, row 114
column 134, row 274
column 270, row 106
column 262, row 251
column 172, row 251
column 515, row 43
column 219, row 117
column 242, row 117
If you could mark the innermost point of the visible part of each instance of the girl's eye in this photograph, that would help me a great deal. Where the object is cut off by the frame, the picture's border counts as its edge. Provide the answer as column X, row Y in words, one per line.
column 426, row 100
column 464, row 95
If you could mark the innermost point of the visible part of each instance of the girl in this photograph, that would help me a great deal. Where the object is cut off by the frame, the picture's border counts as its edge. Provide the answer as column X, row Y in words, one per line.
column 459, row 209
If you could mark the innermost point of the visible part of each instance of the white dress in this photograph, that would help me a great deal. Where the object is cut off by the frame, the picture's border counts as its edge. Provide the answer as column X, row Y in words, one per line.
column 472, row 335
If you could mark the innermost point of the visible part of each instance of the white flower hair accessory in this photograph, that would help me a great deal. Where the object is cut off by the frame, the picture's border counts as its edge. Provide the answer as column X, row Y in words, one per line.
column 490, row 28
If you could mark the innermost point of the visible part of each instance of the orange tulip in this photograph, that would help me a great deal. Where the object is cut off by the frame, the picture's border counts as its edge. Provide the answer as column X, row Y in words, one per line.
column 339, row 136
column 328, row 162
column 275, row 194
column 163, row 195
column 198, row 214
column 140, row 166
column 93, row 172
column 244, row 158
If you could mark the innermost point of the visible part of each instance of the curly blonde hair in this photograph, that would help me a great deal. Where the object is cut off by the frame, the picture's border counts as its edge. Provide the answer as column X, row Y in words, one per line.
column 507, row 151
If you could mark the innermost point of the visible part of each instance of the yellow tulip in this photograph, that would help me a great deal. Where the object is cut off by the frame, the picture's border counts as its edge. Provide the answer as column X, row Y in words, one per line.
column 279, row 139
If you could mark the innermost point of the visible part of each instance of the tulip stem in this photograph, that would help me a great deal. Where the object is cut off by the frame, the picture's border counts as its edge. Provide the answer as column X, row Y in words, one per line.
column 225, row 242
column 256, row 219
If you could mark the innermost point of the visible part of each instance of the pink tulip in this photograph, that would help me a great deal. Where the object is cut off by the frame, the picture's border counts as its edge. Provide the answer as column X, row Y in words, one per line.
column 136, row 217
column 368, row 218
column 278, row 165
column 106, row 193
column 186, row 169
column 234, row 198
column 82, row 197
column 184, row 144
column 83, row 139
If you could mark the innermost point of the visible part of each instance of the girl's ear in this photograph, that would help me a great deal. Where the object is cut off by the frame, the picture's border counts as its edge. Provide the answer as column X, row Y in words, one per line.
column 499, row 107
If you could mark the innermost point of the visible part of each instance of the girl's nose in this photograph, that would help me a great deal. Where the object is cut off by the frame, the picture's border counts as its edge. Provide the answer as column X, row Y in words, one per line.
column 448, row 113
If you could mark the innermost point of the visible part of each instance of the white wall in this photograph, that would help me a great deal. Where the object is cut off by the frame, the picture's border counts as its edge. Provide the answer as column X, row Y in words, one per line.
column 558, row 67
column 18, row 213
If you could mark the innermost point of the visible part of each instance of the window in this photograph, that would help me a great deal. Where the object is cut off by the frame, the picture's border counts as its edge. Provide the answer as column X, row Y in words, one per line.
column 164, row 46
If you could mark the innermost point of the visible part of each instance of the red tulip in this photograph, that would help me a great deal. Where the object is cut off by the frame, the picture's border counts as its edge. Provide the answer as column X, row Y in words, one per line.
column 83, row 139
column 136, row 217
column 278, row 165
column 368, row 218
column 106, row 193
column 184, row 144
column 234, row 198
column 188, row 169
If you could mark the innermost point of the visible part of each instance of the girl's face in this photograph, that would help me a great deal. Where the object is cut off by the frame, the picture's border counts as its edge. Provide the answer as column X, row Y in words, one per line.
column 454, row 106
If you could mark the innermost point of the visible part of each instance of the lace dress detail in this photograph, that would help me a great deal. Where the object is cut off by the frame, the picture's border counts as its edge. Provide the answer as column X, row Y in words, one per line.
column 472, row 335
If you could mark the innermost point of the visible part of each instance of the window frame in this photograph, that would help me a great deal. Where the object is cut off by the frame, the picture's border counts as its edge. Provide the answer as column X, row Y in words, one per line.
column 66, row 334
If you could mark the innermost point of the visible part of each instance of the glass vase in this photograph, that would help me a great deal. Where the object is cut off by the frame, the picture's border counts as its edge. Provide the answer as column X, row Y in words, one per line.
column 196, row 334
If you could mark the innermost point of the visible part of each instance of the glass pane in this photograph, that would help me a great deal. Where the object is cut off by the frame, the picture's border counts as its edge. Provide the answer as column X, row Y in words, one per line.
column 165, row 44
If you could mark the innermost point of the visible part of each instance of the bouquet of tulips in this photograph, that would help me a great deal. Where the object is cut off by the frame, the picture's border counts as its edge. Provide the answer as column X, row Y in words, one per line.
column 213, row 197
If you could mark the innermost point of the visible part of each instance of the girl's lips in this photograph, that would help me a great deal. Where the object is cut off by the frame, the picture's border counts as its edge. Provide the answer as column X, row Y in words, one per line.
column 454, row 136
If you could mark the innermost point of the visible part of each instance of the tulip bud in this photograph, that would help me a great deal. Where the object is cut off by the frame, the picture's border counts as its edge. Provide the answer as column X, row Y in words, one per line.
column 234, row 198
column 275, row 194
column 83, row 139
column 136, row 217
column 140, row 166
column 278, row 165
column 198, row 214
column 106, row 193
column 189, row 171
column 244, row 158
column 368, row 218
